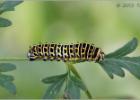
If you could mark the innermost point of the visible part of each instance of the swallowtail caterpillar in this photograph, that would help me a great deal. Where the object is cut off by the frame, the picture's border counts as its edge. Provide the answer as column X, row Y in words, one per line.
column 72, row 52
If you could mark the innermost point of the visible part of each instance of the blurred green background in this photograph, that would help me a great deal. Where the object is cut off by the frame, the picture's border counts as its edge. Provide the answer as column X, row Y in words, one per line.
column 98, row 22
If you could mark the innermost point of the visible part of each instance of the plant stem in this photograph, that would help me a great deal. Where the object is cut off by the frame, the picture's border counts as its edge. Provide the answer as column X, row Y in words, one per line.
column 72, row 68
column 13, row 59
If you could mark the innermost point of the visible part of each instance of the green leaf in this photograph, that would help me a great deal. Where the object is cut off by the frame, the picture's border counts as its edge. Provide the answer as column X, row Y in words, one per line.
column 53, row 79
column 54, row 89
column 132, row 65
column 112, row 67
column 72, row 91
column 115, row 65
column 5, row 81
column 8, row 5
column 7, row 77
column 4, row 67
column 123, row 51
column 78, row 83
column 4, row 22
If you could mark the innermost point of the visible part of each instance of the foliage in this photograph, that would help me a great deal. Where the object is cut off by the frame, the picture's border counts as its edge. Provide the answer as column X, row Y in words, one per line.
column 114, row 63
column 56, row 84
column 4, row 22
column 6, row 80
column 7, row 6
column 73, row 85
column 123, row 51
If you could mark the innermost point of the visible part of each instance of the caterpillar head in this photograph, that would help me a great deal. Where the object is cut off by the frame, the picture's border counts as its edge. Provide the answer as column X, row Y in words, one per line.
column 100, row 56
column 32, row 53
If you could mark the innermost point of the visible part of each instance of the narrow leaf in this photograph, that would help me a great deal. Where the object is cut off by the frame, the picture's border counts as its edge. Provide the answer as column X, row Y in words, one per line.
column 4, row 22
column 132, row 59
column 4, row 67
column 123, row 51
column 107, row 69
column 132, row 64
column 9, row 5
column 7, row 84
column 115, row 65
column 112, row 67
column 72, row 91
column 54, row 89
column 78, row 82
column 7, row 77
column 53, row 79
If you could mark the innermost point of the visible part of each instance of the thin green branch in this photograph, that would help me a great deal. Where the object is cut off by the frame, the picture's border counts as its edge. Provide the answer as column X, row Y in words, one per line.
column 13, row 59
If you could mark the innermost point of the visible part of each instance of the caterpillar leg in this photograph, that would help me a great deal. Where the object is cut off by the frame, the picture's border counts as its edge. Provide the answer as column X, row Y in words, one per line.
column 44, row 58
column 32, row 59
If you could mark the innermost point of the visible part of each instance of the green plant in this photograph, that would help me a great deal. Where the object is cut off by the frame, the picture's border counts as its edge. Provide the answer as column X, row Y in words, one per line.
column 113, row 64
column 6, row 80
column 4, row 7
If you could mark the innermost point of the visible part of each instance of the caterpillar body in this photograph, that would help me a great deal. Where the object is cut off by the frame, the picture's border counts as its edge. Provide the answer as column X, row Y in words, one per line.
column 72, row 52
